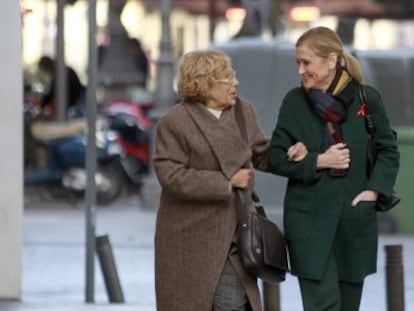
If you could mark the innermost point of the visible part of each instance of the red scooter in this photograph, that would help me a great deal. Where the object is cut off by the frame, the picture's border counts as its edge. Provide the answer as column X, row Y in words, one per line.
column 130, row 122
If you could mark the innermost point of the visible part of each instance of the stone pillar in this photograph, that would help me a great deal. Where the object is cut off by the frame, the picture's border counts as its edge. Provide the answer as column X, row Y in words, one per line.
column 11, row 148
column 164, row 93
column 164, row 97
column 118, row 70
column 257, row 18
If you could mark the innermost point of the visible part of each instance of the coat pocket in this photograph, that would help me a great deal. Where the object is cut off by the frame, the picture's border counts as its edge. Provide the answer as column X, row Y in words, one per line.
column 367, row 226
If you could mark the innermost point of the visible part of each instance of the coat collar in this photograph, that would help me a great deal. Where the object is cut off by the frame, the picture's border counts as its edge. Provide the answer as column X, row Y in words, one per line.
column 223, row 136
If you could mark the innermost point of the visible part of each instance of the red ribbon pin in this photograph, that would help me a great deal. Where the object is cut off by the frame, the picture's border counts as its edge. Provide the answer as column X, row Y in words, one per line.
column 362, row 112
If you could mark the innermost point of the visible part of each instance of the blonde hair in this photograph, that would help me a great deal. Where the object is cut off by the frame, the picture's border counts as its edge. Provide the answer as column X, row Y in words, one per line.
column 196, row 72
column 324, row 41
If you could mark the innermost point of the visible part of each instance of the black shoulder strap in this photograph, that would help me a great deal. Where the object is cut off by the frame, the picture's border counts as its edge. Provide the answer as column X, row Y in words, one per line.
column 370, row 126
column 241, row 122
column 369, row 120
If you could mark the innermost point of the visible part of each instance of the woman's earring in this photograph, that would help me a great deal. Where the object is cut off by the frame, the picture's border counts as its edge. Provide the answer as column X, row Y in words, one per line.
column 343, row 62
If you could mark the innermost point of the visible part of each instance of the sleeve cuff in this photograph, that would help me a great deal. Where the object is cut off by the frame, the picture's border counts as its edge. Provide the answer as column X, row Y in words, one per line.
column 310, row 172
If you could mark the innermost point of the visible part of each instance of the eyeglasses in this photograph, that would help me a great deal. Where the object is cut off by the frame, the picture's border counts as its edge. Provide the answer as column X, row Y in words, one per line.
column 227, row 80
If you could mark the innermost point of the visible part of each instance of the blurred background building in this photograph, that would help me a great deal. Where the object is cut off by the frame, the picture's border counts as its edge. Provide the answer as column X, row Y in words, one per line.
column 379, row 32
column 365, row 24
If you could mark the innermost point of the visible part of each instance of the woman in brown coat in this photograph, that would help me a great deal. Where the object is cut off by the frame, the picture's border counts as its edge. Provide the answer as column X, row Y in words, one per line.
column 198, row 160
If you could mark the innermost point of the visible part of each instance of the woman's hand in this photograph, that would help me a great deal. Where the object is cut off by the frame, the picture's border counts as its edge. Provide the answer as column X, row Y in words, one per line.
column 336, row 156
column 366, row 195
column 241, row 179
column 297, row 152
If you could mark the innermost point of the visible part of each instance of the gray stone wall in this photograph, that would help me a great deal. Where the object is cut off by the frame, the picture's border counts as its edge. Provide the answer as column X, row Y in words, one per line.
column 11, row 151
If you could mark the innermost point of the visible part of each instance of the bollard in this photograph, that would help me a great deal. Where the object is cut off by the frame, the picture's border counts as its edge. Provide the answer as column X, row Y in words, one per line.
column 106, row 258
column 271, row 297
column 394, row 278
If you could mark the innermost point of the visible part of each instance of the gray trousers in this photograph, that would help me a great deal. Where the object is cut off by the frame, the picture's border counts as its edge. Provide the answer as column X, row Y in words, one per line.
column 230, row 294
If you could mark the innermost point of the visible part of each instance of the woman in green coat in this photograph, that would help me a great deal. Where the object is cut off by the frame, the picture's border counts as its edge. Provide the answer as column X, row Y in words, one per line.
column 329, row 208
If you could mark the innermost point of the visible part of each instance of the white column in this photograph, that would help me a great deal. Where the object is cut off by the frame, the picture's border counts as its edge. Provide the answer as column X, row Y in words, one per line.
column 11, row 151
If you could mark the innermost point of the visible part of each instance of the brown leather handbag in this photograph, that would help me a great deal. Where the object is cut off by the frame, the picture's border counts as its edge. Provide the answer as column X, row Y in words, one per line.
column 261, row 245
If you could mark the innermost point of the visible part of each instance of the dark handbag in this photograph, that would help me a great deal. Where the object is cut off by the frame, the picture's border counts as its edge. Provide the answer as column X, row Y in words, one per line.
column 384, row 203
column 261, row 245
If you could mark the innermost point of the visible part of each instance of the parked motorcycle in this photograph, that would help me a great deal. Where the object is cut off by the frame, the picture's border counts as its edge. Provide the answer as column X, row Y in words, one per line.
column 65, row 145
column 130, row 121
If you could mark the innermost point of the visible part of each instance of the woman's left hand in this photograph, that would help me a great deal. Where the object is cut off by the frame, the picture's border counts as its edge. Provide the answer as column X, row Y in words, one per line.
column 297, row 152
column 366, row 195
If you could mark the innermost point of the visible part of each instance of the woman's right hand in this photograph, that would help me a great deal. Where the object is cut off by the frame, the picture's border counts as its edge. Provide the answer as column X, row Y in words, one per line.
column 242, row 178
column 336, row 156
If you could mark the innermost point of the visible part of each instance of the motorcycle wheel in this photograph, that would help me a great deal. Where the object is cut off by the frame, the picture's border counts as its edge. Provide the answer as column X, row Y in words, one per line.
column 109, row 182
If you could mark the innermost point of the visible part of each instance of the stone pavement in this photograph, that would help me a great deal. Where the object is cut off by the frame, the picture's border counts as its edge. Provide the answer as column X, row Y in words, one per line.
column 54, row 261
column 11, row 306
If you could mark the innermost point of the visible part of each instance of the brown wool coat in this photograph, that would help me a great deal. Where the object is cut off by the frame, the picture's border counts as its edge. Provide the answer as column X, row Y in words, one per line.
column 196, row 155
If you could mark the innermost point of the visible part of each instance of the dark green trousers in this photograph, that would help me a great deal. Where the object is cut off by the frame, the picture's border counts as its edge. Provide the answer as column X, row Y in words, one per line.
column 330, row 294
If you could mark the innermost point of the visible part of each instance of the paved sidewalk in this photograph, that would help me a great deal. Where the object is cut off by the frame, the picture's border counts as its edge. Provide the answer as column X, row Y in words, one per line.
column 12, row 306
column 54, row 256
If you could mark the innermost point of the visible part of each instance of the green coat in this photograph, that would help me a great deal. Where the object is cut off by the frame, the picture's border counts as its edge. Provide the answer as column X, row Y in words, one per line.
column 318, row 216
